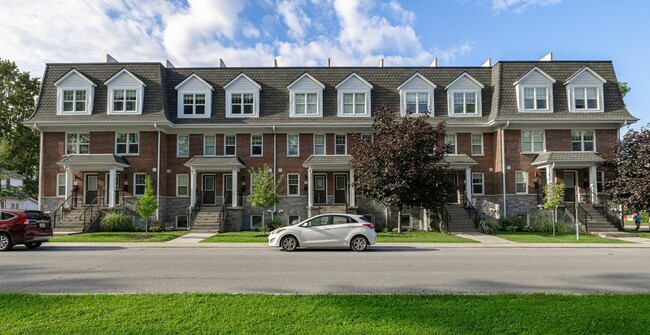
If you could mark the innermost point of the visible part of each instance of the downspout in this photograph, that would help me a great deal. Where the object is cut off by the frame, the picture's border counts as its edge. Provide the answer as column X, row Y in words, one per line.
column 503, row 166
column 275, row 167
column 40, row 168
column 155, row 125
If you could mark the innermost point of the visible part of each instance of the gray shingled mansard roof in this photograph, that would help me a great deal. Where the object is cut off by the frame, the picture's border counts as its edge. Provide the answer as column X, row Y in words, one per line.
column 498, row 96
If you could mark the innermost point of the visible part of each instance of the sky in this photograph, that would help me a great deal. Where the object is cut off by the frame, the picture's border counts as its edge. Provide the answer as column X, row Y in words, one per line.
column 193, row 33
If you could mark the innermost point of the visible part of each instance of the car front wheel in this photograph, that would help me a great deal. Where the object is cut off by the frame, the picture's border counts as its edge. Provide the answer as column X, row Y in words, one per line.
column 33, row 245
column 289, row 243
column 359, row 243
column 5, row 242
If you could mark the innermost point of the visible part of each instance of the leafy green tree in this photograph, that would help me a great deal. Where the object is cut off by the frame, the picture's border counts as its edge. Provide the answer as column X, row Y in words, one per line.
column 404, row 164
column 264, row 194
column 19, row 145
column 553, row 195
column 147, row 204
column 624, row 87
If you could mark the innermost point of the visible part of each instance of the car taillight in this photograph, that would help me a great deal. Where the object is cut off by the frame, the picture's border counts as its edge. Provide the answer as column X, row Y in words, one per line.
column 369, row 225
column 23, row 221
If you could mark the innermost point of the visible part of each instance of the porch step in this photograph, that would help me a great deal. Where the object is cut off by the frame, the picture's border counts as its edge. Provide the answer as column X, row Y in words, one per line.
column 207, row 220
column 598, row 223
column 326, row 209
column 459, row 222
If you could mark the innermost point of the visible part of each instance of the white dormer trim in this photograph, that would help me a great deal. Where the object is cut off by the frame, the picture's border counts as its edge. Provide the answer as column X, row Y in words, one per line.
column 247, row 86
column 189, row 86
column 316, row 87
column 347, row 87
column 133, row 83
column 474, row 87
column 592, row 81
column 88, row 86
column 405, row 89
column 524, row 82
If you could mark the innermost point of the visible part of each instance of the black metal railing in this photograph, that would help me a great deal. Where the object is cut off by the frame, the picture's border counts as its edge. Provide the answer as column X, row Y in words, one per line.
column 91, row 213
column 221, row 219
column 192, row 212
column 58, row 214
column 606, row 208
column 579, row 213
column 471, row 211
column 445, row 219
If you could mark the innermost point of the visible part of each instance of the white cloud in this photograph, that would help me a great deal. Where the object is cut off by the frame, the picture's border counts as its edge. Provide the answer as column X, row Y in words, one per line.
column 405, row 16
column 519, row 6
column 294, row 17
column 449, row 55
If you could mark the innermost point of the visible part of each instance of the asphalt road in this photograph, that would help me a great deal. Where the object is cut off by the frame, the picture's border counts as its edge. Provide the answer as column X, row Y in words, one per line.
column 79, row 269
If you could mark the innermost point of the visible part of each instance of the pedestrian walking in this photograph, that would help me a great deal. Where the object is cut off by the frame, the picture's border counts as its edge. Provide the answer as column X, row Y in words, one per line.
column 637, row 220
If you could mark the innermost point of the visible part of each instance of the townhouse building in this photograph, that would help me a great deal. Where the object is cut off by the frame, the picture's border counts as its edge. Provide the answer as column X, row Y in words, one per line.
column 511, row 128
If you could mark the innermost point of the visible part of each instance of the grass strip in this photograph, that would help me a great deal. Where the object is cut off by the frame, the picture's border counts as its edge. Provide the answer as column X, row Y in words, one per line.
column 405, row 237
column 323, row 314
column 545, row 237
column 121, row 237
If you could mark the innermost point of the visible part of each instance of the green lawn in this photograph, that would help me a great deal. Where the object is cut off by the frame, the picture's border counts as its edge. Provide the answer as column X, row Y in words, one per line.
column 644, row 234
column 323, row 314
column 120, row 237
column 417, row 237
column 527, row 237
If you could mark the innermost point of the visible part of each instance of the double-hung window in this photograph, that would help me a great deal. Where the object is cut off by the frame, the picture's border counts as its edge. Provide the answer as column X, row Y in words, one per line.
column 340, row 144
column 535, row 98
column 532, row 140
column 354, row 104
column 139, row 183
column 293, row 183
column 182, row 188
column 242, row 104
column 293, row 145
column 582, row 140
column 478, row 183
column 182, row 146
column 586, row 98
column 209, row 145
column 319, row 144
column 306, row 104
column 450, row 143
column 230, row 145
column 477, row 144
column 74, row 101
column 60, row 185
column 193, row 104
column 465, row 103
column 417, row 102
column 256, row 145
column 521, row 182
column 77, row 144
column 600, row 181
column 124, row 100
column 127, row 143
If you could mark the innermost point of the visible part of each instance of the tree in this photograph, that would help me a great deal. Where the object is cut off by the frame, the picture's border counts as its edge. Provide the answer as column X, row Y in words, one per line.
column 630, row 161
column 19, row 145
column 264, row 193
column 404, row 164
column 147, row 204
column 8, row 191
column 553, row 195
column 624, row 87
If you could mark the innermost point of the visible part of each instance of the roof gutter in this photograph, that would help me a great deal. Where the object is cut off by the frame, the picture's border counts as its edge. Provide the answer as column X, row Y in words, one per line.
column 503, row 166
column 40, row 166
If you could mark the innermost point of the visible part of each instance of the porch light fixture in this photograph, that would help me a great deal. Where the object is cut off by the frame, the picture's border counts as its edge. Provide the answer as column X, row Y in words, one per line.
column 305, row 184
column 535, row 183
column 243, row 182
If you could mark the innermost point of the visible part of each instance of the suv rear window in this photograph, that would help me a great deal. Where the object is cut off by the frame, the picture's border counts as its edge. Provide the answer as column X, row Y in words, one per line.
column 37, row 215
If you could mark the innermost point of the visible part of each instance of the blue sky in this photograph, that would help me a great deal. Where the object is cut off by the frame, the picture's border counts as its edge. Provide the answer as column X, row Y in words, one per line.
column 350, row 32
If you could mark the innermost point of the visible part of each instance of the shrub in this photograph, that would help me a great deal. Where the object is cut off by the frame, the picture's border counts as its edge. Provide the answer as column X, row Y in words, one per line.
column 158, row 226
column 273, row 224
column 489, row 226
column 116, row 221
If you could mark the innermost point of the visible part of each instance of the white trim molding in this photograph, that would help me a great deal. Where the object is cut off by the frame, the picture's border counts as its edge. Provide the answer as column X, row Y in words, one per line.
column 196, row 87
column 589, row 85
column 245, row 88
column 123, row 83
column 416, row 86
column 541, row 84
column 356, row 86
column 77, row 83
column 307, row 87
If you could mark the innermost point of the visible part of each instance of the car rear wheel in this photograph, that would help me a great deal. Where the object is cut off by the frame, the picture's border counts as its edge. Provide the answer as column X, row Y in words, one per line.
column 5, row 242
column 289, row 243
column 359, row 243
column 33, row 245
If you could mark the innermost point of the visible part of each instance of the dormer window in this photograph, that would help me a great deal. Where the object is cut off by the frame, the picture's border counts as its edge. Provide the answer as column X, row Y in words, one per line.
column 306, row 97
column 242, row 97
column 535, row 92
column 74, row 94
column 416, row 95
column 353, row 97
column 464, row 96
column 193, row 104
column 585, row 91
column 125, row 93
column 194, row 98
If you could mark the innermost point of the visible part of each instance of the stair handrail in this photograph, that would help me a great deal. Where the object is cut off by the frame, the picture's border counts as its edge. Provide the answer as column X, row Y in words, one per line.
column 193, row 211
column 572, row 206
column 446, row 218
column 221, row 219
column 59, row 210
column 605, row 209
column 97, row 200
column 471, row 211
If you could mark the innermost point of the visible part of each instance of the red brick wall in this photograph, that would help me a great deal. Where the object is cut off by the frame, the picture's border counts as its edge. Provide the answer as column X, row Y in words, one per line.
column 53, row 151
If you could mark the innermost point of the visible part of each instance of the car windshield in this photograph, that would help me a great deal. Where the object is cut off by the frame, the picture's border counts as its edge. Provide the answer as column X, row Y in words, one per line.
column 36, row 215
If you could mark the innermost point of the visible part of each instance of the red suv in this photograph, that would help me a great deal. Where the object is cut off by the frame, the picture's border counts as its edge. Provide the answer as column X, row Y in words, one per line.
column 27, row 227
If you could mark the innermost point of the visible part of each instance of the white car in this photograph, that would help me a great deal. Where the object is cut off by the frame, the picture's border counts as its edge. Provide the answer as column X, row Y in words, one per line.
column 325, row 231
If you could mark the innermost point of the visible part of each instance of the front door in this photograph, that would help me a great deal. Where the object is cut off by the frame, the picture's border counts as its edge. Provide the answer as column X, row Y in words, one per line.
column 340, row 188
column 570, row 186
column 227, row 189
column 209, row 194
column 320, row 189
column 117, row 188
column 451, row 186
column 91, row 188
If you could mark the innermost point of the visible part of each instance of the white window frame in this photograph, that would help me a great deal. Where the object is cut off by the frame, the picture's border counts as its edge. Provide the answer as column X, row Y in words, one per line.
column 584, row 89
column 324, row 144
column 371, row 137
column 124, row 100
column 226, row 145
column 178, row 146
column 179, row 185
column 354, row 104
column 582, row 140
column 133, row 83
column 77, row 145
column 542, row 80
column 205, row 146
column 128, row 144
column 304, row 85
column 74, row 101
column 417, row 111
column 63, row 85
column 464, row 92
column 135, row 185
column 482, row 183
column 194, row 104
column 261, row 145
column 242, row 84
column 416, row 84
column 345, row 144
column 194, row 85
column 297, row 145
column 600, row 175
column 479, row 135
column 349, row 87
column 525, row 181
column 59, row 185
column 532, row 141
column 583, row 79
column 186, row 220
column 455, row 137
column 535, row 107
column 289, row 175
